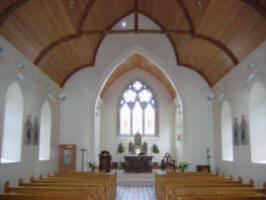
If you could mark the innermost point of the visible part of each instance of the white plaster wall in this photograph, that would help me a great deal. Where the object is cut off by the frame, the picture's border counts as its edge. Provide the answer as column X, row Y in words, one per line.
column 82, row 89
column 109, row 135
column 34, row 94
column 237, row 92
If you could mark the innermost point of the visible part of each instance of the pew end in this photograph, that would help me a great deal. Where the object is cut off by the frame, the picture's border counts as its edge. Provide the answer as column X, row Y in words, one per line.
column 240, row 179
column 251, row 182
column 6, row 186
column 264, row 185
column 20, row 181
column 41, row 176
column 31, row 179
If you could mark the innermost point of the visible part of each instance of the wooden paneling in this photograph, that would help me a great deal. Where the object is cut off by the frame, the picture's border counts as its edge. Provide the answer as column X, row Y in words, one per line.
column 5, row 4
column 70, row 56
column 235, row 24
column 203, row 55
column 167, row 12
column 139, row 61
column 62, row 38
column 104, row 13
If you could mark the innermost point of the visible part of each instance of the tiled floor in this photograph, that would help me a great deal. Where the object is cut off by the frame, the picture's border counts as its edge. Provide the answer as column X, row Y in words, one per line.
column 135, row 193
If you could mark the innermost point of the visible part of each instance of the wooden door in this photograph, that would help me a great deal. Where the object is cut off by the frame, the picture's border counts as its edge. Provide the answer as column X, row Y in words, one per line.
column 67, row 157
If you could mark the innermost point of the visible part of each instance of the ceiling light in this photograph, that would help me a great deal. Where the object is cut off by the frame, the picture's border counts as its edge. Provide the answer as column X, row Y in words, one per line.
column 124, row 24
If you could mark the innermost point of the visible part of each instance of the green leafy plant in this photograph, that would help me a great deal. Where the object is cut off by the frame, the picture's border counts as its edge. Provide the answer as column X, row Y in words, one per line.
column 92, row 165
column 155, row 149
column 120, row 148
column 183, row 166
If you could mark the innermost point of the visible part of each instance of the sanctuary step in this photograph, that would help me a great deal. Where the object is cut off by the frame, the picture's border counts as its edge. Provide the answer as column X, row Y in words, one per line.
column 135, row 179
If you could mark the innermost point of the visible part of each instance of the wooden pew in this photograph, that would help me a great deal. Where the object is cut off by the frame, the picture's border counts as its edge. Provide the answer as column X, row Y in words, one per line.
column 199, row 186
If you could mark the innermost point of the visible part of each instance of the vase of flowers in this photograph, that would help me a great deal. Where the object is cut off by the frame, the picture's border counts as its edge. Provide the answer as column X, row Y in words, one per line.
column 92, row 166
column 183, row 166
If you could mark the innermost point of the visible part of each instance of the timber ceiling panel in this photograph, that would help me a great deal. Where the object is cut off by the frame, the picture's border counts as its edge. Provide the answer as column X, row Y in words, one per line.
column 138, row 61
column 167, row 13
column 5, row 4
column 105, row 13
column 208, row 36
column 64, row 58
column 206, row 57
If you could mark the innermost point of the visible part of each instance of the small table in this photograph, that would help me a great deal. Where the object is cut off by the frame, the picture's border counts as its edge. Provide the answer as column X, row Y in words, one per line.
column 138, row 163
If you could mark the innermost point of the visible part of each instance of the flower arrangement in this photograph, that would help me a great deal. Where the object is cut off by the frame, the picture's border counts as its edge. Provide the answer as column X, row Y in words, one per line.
column 155, row 149
column 120, row 148
column 183, row 166
column 92, row 165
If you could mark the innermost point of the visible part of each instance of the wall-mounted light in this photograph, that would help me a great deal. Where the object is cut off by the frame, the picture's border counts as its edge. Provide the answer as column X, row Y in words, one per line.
column 20, row 65
column 61, row 97
column 20, row 76
column 51, row 97
column 1, row 50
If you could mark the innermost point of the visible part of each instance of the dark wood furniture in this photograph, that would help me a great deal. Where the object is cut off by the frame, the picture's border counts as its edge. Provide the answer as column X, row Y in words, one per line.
column 105, row 161
column 67, row 157
column 168, row 162
column 138, row 163
column 201, row 168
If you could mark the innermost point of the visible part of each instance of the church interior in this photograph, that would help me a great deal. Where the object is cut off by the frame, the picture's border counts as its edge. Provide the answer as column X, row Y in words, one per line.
column 132, row 99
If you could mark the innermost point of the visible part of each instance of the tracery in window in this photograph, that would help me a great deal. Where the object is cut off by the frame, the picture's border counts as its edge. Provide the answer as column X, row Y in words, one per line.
column 137, row 110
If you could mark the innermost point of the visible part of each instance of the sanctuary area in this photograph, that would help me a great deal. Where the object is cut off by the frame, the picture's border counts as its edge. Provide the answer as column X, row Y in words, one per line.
column 132, row 99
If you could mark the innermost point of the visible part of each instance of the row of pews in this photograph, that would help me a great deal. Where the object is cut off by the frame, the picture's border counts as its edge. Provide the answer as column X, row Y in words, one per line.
column 204, row 186
column 69, row 186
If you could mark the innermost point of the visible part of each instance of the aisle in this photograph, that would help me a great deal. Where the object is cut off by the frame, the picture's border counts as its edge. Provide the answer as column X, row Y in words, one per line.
column 135, row 193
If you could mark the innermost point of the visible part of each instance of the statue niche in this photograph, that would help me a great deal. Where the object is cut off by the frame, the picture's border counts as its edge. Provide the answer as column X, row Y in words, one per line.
column 138, row 148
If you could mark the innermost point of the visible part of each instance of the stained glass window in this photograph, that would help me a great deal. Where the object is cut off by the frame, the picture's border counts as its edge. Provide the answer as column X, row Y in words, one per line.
column 137, row 110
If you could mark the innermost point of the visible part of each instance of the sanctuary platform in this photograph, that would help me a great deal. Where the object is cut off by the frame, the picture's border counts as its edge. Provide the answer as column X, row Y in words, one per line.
column 136, row 179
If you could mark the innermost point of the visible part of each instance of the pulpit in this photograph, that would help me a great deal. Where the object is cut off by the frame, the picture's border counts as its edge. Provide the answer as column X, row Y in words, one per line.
column 138, row 163
column 105, row 161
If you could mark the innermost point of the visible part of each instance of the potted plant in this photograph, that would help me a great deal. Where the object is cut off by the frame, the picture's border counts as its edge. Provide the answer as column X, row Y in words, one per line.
column 183, row 166
column 155, row 149
column 92, row 165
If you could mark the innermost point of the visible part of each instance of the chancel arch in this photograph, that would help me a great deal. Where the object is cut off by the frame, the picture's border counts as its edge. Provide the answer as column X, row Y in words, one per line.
column 137, row 69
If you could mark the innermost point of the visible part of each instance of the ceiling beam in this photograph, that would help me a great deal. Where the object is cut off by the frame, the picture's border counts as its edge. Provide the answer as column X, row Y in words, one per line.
column 136, row 16
column 10, row 10
column 84, row 15
column 187, row 15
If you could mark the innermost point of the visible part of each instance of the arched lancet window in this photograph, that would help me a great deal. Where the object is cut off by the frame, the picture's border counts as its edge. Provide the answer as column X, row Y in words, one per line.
column 137, row 110
column 257, row 114
column 227, row 132
column 13, row 125
column 45, row 132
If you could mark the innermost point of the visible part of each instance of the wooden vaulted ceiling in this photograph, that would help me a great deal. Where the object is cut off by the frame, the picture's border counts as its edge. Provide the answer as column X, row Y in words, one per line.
column 208, row 36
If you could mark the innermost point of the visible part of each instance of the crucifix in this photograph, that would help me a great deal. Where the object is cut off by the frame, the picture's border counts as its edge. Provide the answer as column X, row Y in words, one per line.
column 82, row 158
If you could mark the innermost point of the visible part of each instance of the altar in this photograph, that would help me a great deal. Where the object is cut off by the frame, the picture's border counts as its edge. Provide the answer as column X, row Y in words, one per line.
column 138, row 163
